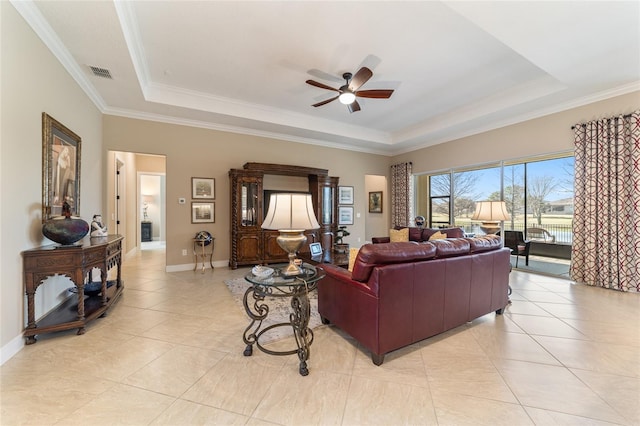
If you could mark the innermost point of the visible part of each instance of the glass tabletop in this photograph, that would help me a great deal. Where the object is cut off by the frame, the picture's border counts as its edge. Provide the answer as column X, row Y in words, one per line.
column 308, row 276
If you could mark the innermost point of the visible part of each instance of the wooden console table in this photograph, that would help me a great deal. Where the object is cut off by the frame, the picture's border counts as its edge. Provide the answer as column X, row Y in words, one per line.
column 75, row 262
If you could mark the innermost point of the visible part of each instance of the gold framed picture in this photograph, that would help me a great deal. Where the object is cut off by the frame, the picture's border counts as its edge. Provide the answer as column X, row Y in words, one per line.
column 61, row 149
column 375, row 202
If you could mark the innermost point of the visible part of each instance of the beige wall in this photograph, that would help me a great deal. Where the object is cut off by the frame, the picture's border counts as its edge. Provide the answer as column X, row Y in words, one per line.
column 545, row 135
column 201, row 152
column 33, row 81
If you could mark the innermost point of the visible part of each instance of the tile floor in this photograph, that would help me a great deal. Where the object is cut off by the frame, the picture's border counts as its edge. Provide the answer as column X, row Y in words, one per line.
column 170, row 353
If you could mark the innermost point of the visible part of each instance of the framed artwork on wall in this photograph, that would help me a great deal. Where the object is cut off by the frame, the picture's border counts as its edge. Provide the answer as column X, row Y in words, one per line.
column 375, row 202
column 345, row 215
column 345, row 195
column 202, row 212
column 203, row 188
column 60, row 168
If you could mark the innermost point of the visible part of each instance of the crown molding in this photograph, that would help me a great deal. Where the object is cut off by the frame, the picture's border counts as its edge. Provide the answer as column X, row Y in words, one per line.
column 31, row 14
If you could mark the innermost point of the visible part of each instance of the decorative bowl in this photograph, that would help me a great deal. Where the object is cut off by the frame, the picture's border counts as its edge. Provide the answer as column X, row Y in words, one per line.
column 92, row 288
column 261, row 271
column 65, row 230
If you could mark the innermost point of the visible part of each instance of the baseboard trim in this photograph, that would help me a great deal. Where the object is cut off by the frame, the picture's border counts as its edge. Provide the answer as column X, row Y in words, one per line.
column 192, row 266
column 9, row 350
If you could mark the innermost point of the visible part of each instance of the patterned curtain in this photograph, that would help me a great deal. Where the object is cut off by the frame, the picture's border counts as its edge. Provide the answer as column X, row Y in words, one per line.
column 401, row 194
column 606, row 223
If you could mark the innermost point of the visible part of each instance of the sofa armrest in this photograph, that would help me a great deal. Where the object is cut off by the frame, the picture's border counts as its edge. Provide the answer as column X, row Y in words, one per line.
column 336, row 273
column 379, row 240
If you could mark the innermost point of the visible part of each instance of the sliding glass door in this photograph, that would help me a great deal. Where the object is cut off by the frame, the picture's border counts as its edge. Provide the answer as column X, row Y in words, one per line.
column 538, row 194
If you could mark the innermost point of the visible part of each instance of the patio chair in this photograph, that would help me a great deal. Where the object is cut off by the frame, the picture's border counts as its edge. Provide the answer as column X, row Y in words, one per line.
column 518, row 245
column 540, row 234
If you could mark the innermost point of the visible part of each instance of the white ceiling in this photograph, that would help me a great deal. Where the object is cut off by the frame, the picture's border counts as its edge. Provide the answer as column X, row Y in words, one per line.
column 458, row 68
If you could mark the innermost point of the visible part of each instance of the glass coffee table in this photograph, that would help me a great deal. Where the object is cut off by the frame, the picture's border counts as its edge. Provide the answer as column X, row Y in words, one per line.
column 279, row 286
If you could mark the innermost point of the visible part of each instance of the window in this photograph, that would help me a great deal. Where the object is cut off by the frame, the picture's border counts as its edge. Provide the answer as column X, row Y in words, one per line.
column 471, row 186
column 538, row 194
column 440, row 200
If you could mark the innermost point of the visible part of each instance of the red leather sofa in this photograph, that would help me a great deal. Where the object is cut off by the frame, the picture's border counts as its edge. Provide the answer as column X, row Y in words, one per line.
column 403, row 292
column 422, row 234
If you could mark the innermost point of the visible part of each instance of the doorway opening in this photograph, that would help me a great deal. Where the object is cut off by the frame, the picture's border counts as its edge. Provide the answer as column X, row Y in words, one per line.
column 151, row 187
column 136, row 199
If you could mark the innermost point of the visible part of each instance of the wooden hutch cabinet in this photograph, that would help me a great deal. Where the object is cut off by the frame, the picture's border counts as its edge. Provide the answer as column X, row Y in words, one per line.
column 250, row 244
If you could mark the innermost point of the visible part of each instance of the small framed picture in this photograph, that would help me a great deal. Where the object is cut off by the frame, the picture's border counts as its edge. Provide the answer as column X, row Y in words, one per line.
column 202, row 212
column 315, row 248
column 375, row 202
column 203, row 188
column 345, row 195
column 345, row 215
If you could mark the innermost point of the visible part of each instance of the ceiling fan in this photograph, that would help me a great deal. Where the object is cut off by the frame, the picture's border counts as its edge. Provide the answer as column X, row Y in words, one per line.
column 349, row 91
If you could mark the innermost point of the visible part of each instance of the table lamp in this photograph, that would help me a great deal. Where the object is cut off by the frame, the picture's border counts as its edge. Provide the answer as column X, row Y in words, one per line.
column 146, row 199
column 491, row 213
column 291, row 215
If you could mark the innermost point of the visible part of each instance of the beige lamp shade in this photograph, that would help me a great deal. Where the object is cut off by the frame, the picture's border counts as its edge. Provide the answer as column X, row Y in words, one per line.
column 491, row 213
column 290, row 212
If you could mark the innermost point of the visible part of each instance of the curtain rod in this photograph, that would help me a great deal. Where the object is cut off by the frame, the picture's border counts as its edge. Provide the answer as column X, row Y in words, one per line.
column 584, row 124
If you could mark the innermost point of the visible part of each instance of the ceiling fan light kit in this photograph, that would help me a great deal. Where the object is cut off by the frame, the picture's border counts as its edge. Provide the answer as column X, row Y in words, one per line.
column 347, row 97
column 347, row 94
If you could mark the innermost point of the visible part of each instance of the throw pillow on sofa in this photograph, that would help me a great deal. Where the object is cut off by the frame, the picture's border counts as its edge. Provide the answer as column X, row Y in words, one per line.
column 437, row 236
column 399, row 235
column 353, row 253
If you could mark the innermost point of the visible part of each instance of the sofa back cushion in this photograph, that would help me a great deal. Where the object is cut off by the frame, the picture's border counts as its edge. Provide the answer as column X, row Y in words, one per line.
column 371, row 255
column 451, row 247
column 415, row 234
column 450, row 232
column 484, row 243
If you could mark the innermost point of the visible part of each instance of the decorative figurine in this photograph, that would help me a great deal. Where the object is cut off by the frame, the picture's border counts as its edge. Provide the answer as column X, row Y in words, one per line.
column 97, row 228
column 341, row 233
column 66, row 209
column 339, row 246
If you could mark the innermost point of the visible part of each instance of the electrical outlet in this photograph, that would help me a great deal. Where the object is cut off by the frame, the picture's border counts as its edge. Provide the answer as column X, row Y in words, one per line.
column 184, row 252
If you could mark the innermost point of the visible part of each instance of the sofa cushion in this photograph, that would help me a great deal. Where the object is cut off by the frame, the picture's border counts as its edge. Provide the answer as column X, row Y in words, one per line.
column 484, row 243
column 451, row 247
column 450, row 232
column 415, row 234
column 371, row 255
column 399, row 235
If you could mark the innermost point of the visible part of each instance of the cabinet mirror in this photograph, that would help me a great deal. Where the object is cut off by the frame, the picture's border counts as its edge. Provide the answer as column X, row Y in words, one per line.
column 327, row 205
column 249, row 202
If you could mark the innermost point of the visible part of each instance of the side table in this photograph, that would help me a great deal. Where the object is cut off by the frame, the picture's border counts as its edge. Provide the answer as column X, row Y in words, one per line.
column 201, row 251
column 276, row 285
column 77, row 263
column 146, row 231
column 328, row 256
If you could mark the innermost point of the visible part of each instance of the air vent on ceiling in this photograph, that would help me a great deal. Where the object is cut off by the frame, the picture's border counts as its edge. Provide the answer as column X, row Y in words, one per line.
column 101, row 72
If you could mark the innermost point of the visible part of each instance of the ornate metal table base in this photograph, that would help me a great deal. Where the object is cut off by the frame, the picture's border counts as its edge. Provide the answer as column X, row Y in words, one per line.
column 257, row 309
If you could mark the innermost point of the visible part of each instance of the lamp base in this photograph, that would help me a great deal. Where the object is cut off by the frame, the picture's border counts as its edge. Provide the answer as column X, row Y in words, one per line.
column 291, row 241
column 490, row 228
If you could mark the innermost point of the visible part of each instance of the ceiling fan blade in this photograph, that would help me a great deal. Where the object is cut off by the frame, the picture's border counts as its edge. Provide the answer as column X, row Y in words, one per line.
column 354, row 106
column 375, row 93
column 325, row 102
column 361, row 77
column 320, row 85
